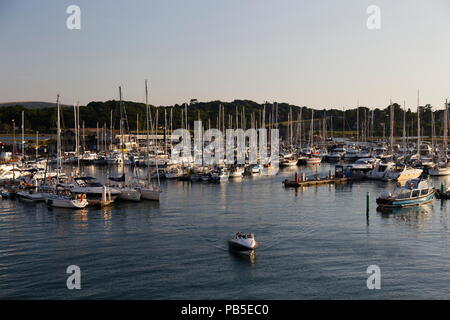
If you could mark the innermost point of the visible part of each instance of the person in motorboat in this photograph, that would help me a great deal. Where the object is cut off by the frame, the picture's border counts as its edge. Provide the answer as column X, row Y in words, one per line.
column 243, row 242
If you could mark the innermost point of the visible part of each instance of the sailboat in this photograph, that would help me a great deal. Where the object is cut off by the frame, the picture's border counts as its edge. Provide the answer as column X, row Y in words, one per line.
column 399, row 172
column 312, row 159
column 148, row 191
column 442, row 168
column 126, row 192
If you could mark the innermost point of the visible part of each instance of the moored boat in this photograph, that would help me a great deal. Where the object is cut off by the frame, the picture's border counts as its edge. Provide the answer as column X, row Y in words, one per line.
column 415, row 192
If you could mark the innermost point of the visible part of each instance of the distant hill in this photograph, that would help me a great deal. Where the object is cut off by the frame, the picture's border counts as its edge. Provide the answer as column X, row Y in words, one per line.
column 30, row 104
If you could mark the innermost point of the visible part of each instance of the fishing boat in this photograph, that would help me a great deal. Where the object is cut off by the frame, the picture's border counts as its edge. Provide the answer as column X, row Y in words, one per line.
column 415, row 192
column 243, row 242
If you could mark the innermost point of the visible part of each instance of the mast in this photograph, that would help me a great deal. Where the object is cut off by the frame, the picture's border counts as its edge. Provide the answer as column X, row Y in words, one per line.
column 75, row 128
column 311, row 135
column 58, row 137
column 391, row 109
column 122, row 142
column 418, row 123
column 98, row 139
column 23, row 137
column 404, row 128
column 147, row 116
column 357, row 122
column 111, row 131
column 343, row 122
column 37, row 145
column 445, row 130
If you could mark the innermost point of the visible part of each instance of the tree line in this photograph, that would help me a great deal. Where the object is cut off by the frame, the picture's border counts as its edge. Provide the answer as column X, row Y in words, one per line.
column 238, row 113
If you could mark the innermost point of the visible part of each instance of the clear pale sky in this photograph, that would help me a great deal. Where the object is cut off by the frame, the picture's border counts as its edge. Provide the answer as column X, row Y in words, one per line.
column 317, row 53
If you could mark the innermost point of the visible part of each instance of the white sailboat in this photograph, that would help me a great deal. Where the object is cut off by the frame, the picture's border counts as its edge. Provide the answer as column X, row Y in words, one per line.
column 442, row 168
column 149, row 191
column 127, row 193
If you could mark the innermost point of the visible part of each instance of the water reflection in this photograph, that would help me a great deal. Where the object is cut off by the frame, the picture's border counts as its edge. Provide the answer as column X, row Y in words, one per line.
column 416, row 216
column 244, row 256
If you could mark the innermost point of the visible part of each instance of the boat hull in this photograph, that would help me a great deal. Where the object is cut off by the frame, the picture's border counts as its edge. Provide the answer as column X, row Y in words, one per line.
column 148, row 194
column 241, row 247
column 67, row 203
column 129, row 195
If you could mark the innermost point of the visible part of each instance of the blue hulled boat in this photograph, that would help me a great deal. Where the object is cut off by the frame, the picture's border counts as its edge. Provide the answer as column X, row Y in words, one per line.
column 415, row 192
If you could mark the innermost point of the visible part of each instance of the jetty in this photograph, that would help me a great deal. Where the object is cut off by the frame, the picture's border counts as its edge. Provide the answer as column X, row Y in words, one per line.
column 340, row 176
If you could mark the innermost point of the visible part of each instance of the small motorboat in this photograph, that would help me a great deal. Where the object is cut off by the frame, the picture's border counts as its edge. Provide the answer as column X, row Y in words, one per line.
column 243, row 242
column 415, row 192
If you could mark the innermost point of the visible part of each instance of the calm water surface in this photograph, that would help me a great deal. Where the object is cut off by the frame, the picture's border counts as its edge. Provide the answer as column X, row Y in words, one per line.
column 316, row 243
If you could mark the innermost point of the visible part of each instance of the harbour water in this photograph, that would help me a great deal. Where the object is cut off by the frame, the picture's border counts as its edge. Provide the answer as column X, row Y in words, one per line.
column 316, row 243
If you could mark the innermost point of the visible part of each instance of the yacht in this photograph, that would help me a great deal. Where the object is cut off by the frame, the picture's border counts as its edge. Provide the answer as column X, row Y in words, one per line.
column 365, row 164
column 401, row 172
column 351, row 155
column 364, row 153
column 334, row 156
column 378, row 172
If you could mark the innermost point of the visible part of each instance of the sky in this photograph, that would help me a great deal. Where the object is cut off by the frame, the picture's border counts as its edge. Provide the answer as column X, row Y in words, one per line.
column 317, row 53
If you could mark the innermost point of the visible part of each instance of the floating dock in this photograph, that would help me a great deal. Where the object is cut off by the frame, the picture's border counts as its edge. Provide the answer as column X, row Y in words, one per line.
column 307, row 183
column 339, row 177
